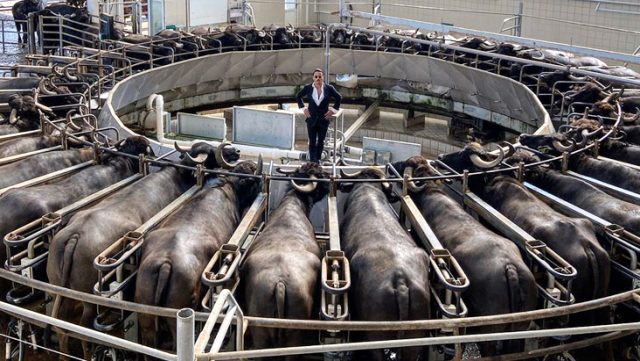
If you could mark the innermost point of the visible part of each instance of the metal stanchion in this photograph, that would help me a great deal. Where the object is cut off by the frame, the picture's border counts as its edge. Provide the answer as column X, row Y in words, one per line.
column 185, row 327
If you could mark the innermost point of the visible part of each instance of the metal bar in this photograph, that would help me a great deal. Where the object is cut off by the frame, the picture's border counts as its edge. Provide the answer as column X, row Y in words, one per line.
column 334, row 229
column 124, row 344
column 20, row 135
column 336, row 325
column 47, row 177
column 98, row 195
column 425, row 341
column 13, row 158
column 185, row 327
column 566, row 206
column 533, row 43
column 615, row 191
column 249, row 220
column 359, row 122
column 422, row 228
column 628, row 165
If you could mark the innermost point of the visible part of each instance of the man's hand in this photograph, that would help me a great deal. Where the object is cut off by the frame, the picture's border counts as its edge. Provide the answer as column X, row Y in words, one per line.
column 306, row 112
column 328, row 114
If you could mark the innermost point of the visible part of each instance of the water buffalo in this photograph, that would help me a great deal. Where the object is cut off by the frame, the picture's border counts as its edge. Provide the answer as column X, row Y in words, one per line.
column 175, row 254
column 23, row 205
column 20, row 11
column 24, row 115
column 73, row 250
column 389, row 273
column 74, row 32
column 500, row 280
column 573, row 239
column 42, row 164
column 581, row 194
column 281, row 271
column 606, row 171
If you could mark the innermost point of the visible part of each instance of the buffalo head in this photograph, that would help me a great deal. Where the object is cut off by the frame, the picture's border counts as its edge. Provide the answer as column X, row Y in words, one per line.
column 368, row 173
column 312, row 171
column 134, row 145
column 209, row 156
column 473, row 156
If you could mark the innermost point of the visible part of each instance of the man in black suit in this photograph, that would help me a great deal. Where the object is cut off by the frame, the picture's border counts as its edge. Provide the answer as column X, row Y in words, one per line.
column 318, row 112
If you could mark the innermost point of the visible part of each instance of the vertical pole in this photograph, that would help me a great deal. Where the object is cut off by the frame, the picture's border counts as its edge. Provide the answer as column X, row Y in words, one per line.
column 245, row 19
column 327, row 52
column 31, row 30
column 137, row 17
column 3, row 49
column 517, row 29
column 60, row 34
column 185, row 335
column 41, row 34
column 188, row 2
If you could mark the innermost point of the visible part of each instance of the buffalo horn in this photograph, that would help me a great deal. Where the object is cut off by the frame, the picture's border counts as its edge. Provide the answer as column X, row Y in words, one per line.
column 344, row 174
column 306, row 188
column 564, row 148
column 586, row 133
column 69, row 76
column 43, row 90
column 220, row 159
column 44, row 108
column 411, row 185
column 510, row 149
column 201, row 158
column 13, row 117
column 177, row 147
column 480, row 163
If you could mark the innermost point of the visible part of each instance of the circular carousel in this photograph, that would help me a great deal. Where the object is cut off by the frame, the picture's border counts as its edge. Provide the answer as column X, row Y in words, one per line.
column 137, row 222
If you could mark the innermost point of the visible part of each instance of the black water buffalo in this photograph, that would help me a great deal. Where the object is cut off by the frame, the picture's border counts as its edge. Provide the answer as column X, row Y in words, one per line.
column 389, row 273
column 581, row 194
column 24, row 115
column 175, row 254
column 606, row 171
column 632, row 133
column 20, row 11
column 281, row 272
column 27, row 144
column 76, row 21
column 22, row 205
column 584, row 129
column 573, row 239
column 90, row 231
column 282, row 37
column 500, row 280
column 42, row 164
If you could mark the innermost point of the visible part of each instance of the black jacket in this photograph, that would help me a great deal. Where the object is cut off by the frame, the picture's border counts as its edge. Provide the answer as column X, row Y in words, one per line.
column 317, row 112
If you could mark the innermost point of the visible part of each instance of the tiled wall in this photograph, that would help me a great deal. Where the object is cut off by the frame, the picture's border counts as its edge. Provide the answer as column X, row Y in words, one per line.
column 543, row 19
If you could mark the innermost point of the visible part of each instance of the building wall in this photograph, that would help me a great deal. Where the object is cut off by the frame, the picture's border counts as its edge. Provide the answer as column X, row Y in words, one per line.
column 542, row 19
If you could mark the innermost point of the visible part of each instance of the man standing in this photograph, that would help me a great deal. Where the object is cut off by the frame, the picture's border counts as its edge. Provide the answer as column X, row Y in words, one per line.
column 318, row 112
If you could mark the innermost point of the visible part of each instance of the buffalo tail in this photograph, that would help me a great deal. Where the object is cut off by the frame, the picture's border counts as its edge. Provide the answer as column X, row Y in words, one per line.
column 67, row 258
column 281, row 293
column 402, row 300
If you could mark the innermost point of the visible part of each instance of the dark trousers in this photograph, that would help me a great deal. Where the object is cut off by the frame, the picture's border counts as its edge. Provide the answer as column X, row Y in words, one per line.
column 317, row 133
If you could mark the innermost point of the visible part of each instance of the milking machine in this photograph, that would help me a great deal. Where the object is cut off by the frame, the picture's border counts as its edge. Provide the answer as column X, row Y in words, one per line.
column 447, row 278
column 335, row 278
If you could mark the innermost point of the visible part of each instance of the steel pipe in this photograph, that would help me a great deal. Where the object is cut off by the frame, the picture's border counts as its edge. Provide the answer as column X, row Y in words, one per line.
column 185, row 334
